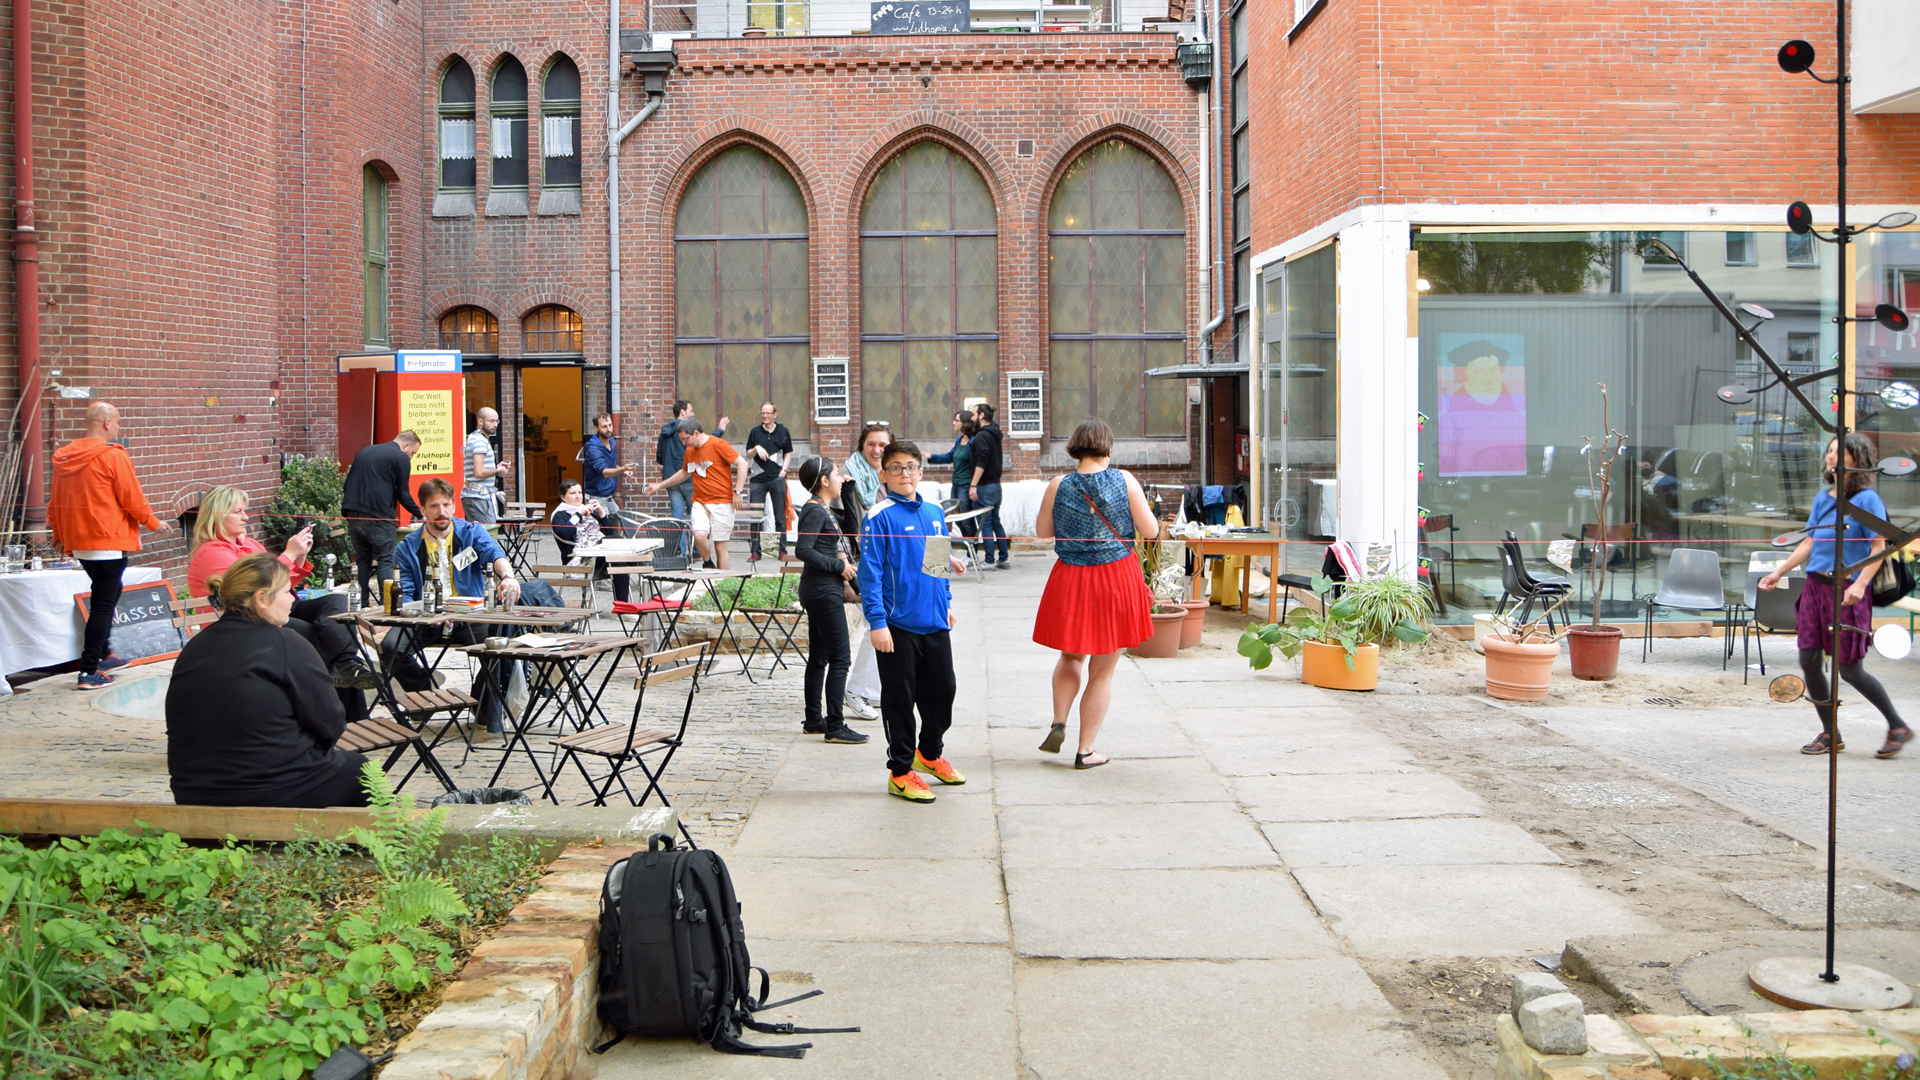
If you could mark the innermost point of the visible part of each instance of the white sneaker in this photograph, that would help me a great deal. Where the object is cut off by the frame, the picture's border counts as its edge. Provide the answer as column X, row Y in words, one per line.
column 857, row 708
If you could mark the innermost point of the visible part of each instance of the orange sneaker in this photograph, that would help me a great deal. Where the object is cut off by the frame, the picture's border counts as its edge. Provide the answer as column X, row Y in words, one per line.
column 940, row 767
column 910, row 787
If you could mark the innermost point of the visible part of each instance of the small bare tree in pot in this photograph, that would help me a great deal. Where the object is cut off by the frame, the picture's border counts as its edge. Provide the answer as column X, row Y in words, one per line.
column 1594, row 649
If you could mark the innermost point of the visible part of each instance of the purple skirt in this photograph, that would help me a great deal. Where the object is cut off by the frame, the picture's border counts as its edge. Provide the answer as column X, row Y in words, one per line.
column 1813, row 622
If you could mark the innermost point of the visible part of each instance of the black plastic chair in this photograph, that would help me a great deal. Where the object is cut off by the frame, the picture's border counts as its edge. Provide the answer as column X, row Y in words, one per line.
column 1517, row 584
column 1773, row 612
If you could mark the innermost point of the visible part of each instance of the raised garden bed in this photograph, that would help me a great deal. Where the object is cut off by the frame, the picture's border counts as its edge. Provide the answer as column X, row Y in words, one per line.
column 140, row 954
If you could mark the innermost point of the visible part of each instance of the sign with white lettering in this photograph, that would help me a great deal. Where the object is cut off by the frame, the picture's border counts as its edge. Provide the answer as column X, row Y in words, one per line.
column 922, row 17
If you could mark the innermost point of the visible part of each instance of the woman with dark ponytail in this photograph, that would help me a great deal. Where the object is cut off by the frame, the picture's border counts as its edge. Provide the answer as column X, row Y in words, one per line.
column 1813, row 612
column 827, row 568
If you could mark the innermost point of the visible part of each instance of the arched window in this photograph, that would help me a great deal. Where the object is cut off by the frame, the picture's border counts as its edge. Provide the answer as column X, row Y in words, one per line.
column 456, row 126
column 472, row 330
column 928, row 303
column 560, row 123
column 1117, row 291
column 552, row 331
column 740, row 290
column 373, row 255
column 507, row 132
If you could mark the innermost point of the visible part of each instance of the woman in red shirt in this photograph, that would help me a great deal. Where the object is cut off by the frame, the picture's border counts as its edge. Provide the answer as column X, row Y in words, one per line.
column 220, row 539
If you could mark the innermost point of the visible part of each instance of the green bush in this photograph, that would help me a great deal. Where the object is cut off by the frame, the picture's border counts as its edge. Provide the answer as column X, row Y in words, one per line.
column 760, row 592
column 310, row 488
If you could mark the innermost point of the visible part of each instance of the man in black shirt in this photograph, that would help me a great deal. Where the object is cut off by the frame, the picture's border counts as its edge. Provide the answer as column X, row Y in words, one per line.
column 768, row 447
column 376, row 480
column 986, row 449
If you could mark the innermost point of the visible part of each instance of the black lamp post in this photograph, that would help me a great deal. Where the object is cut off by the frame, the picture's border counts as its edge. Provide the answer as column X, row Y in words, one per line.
column 1793, row 981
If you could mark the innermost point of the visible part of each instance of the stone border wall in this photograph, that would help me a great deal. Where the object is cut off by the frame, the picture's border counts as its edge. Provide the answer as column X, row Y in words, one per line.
column 1649, row 1047
column 524, row 1006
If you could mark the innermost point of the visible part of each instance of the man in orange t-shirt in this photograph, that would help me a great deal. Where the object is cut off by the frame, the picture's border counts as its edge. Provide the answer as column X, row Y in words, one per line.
column 708, row 461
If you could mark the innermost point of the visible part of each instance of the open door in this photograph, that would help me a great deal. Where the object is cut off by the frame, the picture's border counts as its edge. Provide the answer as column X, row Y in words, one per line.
column 356, row 398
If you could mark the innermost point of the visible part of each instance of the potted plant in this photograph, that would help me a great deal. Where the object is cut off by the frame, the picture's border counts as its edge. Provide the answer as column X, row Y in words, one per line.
column 1594, row 649
column 1520, row 661
column 1166, row 580
column 1339, row 645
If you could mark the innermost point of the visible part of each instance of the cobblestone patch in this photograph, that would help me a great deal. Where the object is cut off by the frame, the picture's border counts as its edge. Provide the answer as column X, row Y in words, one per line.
column 60, row 745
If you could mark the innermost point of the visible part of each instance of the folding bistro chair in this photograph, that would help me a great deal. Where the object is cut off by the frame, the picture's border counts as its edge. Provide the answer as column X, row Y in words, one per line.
column 569, row 577
column 453, row 710
column 191, row 614
column 621, row 744
column 367, row 736
column 968, row 544
column 783, row 616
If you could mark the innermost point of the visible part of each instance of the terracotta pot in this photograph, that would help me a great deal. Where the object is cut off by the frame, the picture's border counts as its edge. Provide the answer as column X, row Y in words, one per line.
column 1196, row 621
column 1165, row 641
column 1518, row 672
column 1326, row 665
column 1595, row 654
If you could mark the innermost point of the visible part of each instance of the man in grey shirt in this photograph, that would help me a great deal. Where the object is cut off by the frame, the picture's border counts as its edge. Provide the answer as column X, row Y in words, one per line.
column 477, row 497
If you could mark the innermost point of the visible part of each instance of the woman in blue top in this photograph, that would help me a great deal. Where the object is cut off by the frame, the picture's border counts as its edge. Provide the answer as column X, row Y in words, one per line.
column 1813, row 612
column 1096, row 602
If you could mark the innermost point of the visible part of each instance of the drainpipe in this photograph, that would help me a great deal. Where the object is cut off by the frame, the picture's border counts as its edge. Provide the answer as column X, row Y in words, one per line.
column 1215, row 238
column 616, row 134
column 26, row 266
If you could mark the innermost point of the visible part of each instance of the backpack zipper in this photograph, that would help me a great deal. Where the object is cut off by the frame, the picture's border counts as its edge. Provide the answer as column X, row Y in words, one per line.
column 679, row 903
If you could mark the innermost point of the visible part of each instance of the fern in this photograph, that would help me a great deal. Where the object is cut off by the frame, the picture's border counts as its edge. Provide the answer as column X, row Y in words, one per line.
column 401, row 841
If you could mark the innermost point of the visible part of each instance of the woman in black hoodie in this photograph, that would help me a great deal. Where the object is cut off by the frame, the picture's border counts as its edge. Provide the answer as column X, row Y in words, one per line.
column 827, row 570
column 251, row 712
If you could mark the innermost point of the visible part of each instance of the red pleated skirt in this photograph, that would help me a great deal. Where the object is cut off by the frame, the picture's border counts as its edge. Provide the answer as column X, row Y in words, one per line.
column 1094, row 610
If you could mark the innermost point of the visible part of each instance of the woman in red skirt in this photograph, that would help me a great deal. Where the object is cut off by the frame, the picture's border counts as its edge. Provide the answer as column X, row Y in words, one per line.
column 1096, row 602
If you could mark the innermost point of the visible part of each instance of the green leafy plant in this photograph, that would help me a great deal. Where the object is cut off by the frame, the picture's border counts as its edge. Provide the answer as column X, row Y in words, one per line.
column 310, row 487
column 401, row 842
column 752, row 593
column 45, row 956
column 1377, row 615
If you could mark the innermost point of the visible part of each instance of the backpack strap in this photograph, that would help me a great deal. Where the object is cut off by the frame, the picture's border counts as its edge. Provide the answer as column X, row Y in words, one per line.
column 1081, row 487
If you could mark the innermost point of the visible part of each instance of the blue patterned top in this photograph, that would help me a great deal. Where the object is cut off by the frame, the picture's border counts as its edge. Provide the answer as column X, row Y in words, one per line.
column 1080, row 537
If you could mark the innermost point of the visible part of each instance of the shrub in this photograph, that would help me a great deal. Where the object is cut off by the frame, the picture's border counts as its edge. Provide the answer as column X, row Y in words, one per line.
column 310, row 488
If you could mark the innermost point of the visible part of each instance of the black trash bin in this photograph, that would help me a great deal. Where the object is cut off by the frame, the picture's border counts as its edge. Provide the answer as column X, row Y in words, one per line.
column 482, row 796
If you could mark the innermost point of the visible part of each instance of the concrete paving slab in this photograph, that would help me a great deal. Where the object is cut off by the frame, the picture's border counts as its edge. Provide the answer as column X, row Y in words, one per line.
column 874, row 826
column 951, row 1004
column 1310, row 721
column 1137, row 836
column 1169, row 1020
column 1354, row 796
column 877, row 900
column 1150, row 914
column 1119, row 739
column 1607, row 794
column 1419, row 842
column 1041, row 779
column 814, row 766
column 1396, row 912
column 1477, row 729
column 1707, row 838
column 1242, row 692
column 1280, row 758
column 1803, row 904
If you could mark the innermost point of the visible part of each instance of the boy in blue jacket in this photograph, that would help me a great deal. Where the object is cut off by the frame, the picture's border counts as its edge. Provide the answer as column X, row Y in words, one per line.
column 911, row 613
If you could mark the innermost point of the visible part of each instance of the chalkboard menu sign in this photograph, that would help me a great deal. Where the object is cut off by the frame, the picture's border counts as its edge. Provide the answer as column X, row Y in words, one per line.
column 922, row 17
column 143, row 629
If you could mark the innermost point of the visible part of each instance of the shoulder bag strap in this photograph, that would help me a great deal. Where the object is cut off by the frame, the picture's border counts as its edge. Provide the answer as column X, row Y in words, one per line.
column 1081, row 486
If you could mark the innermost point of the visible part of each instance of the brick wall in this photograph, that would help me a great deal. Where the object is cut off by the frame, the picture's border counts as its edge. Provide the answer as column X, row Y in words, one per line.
column 1523, row 101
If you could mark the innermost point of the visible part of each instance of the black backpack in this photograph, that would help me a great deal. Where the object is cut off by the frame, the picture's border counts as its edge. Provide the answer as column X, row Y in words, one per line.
column 673, row 954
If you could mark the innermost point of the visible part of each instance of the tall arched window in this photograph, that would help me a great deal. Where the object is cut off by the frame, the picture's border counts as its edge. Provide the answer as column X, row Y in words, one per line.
column 507, row 133
column 472, row 330
column 552, row 331
column 560, row 123
column 373, row 255
column 740, row 289
column 1117, row 289
column 456, row 127
column 928, row 303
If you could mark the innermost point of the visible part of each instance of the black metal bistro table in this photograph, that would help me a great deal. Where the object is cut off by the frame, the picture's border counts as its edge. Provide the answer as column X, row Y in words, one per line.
column 517, row 536
column 577, row 670
column 692, row 581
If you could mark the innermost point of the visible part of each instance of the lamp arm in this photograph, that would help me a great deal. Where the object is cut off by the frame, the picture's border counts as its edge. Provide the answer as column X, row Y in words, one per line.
column 1895, row 536
column 1754, row 344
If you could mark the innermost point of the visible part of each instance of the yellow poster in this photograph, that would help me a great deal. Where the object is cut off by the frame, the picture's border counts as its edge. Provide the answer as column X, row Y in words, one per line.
column 429, row 414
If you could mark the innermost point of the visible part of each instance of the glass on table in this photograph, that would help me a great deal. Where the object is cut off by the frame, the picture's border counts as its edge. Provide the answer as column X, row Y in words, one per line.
column 15, row 558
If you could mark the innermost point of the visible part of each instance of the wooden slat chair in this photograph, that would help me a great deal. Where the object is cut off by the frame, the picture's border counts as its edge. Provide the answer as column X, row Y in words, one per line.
column 630, row 743
column 372, row 735
column 569, row 577
column 192, row 613
column 452, row 710
column 774, row 625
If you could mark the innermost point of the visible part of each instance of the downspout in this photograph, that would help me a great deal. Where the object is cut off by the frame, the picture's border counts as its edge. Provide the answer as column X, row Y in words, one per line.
column 1213, row 238
column 615, row 136
column 26, row 267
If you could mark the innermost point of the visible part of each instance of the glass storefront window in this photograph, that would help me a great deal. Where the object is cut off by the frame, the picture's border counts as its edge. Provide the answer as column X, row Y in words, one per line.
column 1887, row 271
column 1516, row 330
column 1300, row 395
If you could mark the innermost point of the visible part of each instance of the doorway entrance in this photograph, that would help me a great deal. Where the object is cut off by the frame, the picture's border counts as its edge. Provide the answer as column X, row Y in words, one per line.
column 553, row 427
column 1299, row 397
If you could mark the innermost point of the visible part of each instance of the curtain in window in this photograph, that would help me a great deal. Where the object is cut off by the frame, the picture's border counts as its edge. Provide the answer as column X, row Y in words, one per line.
column 929, row 301
column 1117, row 293
column 508, row 130
column 740, row 290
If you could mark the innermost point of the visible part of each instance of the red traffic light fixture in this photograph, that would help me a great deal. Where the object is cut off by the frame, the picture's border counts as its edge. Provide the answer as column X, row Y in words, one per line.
column 1800, row 218
column 1796, row 56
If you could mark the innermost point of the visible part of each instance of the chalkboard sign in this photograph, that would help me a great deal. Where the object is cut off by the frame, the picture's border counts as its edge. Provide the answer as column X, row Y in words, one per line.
column 922, row 17
column 143, row 629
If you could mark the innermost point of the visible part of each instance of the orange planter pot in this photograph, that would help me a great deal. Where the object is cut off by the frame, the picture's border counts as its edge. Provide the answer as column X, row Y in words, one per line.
column 1326, row 665
column 1165, row 641
column 1518, row 672
column 1595, row 654
column 1196, row 621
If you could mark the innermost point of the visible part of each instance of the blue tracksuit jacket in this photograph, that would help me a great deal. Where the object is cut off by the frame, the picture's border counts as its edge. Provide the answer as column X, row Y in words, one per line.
column 894, row 591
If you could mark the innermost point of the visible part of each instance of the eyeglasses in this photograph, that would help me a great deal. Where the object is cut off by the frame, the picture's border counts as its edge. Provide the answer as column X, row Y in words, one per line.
column 903, row 470
column 878, row 424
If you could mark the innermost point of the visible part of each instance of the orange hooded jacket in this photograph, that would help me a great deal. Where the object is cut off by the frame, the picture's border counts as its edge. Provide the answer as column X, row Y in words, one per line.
column 96, row 504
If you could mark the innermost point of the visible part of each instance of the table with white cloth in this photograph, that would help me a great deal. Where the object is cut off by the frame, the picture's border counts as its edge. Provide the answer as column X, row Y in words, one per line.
column 39, row 623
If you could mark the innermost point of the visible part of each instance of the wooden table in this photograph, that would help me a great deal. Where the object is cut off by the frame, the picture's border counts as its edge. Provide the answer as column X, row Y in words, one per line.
column 1248, row 544
column 575, row 698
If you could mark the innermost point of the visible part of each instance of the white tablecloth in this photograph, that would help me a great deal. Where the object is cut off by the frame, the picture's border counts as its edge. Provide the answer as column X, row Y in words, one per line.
column 38, row 627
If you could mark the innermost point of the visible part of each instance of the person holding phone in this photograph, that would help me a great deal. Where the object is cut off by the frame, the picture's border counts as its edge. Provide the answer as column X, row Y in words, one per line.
column 220, row 539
